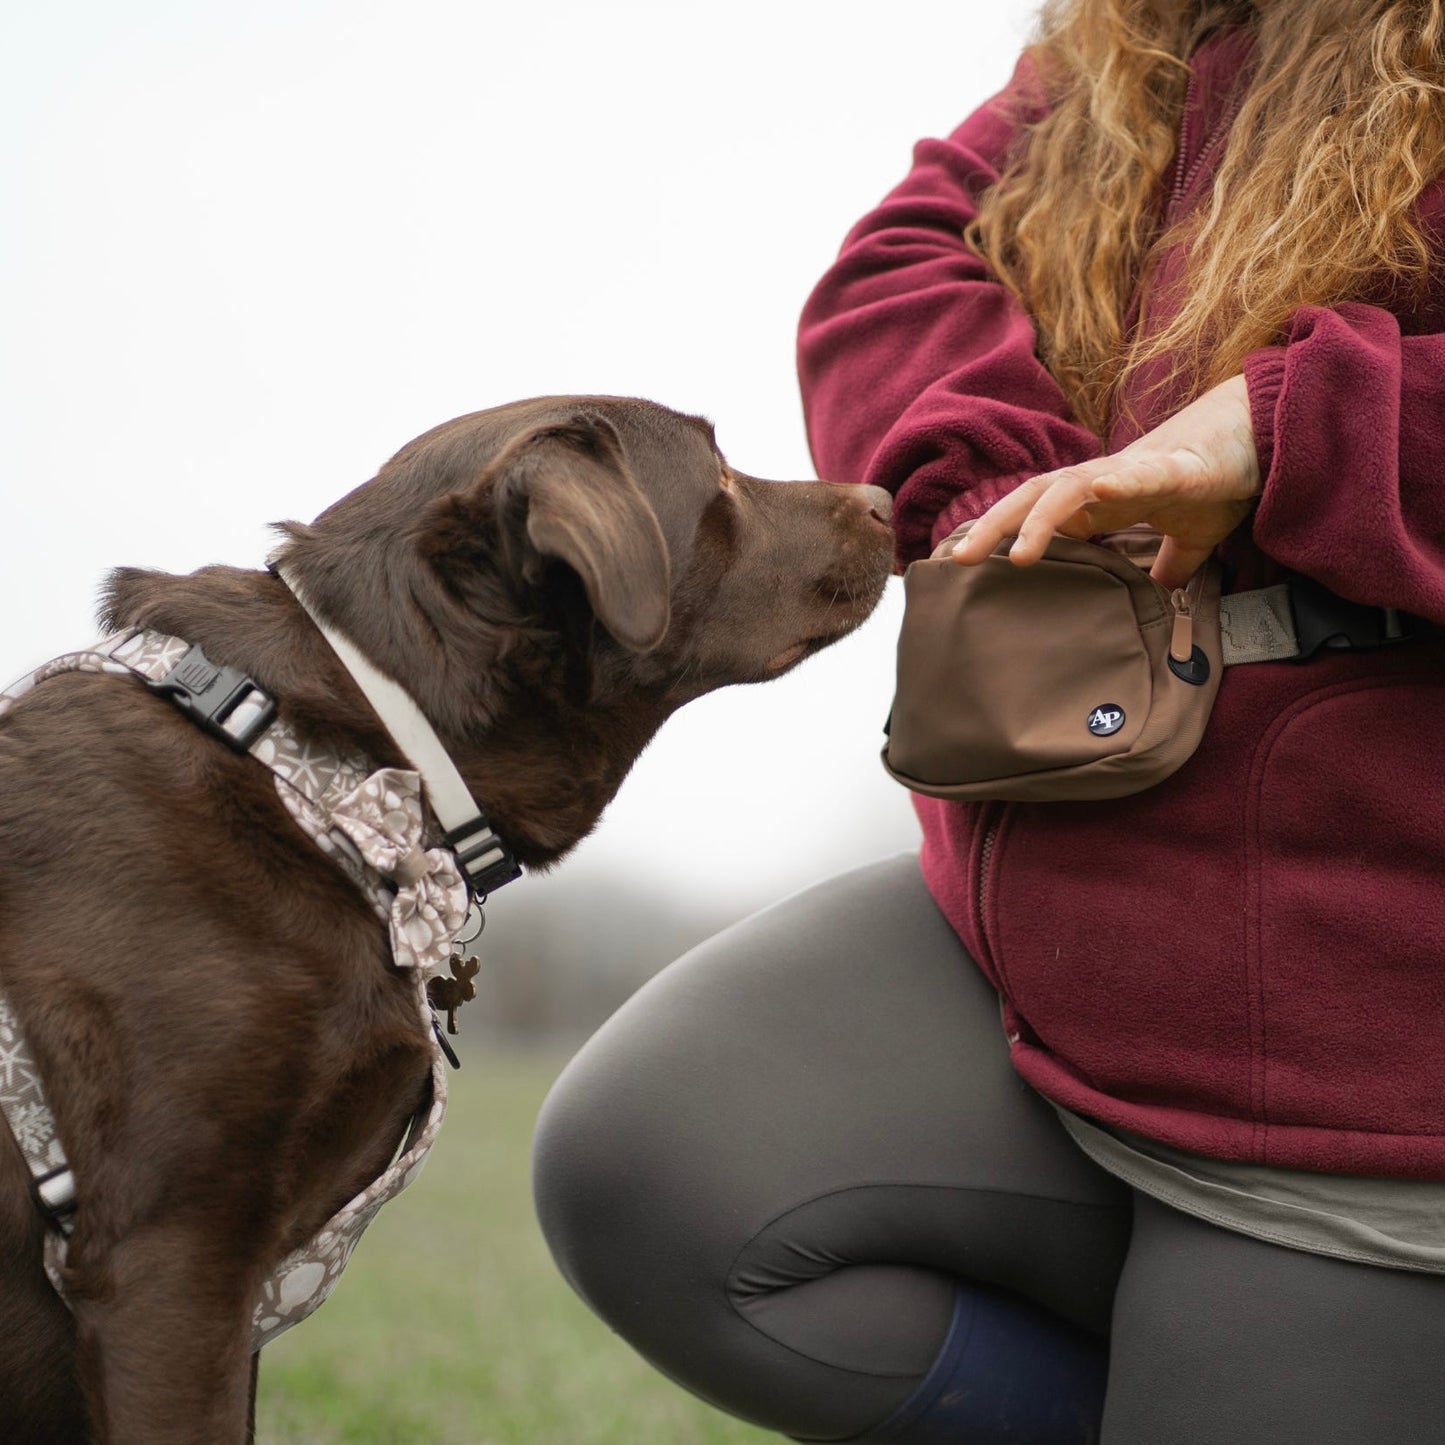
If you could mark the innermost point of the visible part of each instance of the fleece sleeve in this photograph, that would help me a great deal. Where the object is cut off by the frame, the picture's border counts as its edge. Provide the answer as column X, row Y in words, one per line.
column 919, row 370
column 1349, row 421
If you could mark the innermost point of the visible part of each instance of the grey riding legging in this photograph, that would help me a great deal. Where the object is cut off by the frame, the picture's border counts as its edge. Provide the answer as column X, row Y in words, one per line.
column 771, row 1168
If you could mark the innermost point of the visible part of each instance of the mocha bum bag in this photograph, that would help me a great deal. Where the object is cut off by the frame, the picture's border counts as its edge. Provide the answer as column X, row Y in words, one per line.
column 1080, row 677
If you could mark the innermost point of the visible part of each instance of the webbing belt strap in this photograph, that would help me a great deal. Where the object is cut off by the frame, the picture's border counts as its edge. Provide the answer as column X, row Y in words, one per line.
column 1299, row 618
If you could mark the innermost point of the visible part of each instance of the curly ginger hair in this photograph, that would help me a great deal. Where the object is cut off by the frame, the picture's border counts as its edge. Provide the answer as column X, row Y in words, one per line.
column 1341, row 126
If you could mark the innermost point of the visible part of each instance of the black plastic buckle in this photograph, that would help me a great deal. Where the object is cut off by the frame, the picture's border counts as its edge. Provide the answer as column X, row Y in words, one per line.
column 209, row 695
column 486, row 861
column 1323, row 619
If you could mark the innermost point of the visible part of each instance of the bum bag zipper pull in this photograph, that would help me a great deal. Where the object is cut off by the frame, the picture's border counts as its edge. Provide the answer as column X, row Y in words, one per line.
column 1181, row 644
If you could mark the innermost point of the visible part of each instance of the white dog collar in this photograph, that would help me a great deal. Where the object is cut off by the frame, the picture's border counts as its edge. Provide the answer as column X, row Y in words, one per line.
column 486, row 860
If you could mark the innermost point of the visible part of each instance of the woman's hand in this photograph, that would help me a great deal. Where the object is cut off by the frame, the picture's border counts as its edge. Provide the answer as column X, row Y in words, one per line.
column 1192, row 479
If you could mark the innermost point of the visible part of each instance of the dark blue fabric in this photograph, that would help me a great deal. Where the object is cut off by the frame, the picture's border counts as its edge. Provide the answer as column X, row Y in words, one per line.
column 1008, row 1374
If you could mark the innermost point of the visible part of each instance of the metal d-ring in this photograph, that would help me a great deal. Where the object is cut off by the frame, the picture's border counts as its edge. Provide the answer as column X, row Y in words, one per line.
column 474, row 911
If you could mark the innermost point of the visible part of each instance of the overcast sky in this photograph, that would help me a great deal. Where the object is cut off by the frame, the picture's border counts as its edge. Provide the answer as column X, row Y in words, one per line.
column 250, row 250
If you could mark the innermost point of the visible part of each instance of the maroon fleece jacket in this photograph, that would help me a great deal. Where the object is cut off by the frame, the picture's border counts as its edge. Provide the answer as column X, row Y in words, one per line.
column 1247, row 960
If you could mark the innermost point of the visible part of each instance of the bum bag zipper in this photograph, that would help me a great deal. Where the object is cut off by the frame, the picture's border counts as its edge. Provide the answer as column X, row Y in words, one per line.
column 1183, row 600
column 1181, row 641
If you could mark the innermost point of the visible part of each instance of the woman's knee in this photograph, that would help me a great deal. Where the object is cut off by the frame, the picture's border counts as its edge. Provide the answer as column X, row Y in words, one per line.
column 616, row 1168
column 722, row 1172
column 648, row 1202
column 704, row 1092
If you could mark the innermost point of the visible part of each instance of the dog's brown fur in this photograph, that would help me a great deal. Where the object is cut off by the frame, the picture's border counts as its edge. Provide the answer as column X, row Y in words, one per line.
column 228, row 1050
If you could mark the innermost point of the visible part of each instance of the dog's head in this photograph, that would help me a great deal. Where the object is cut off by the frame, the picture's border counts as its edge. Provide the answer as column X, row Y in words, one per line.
column 558, row 575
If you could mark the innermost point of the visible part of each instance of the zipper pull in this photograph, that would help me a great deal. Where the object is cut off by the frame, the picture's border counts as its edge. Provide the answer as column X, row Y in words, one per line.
column 1186, row 661
column 1181, row 644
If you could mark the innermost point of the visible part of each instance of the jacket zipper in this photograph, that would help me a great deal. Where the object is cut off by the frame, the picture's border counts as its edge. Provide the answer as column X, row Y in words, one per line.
column 1182, row 640
column 991, row 819
column 1177, row 193
column 985, row 852
column 1184, row 179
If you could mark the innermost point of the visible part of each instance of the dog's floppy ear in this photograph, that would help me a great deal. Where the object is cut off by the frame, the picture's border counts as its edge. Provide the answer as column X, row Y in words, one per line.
column 584, row 507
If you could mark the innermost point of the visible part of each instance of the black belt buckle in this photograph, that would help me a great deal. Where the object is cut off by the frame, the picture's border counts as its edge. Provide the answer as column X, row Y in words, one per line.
column 209, row 695
column 1323, row 619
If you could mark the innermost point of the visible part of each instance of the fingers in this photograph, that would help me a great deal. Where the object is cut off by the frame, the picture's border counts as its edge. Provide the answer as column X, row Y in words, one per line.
column 1076, row 501
column 1001, row 520
column 1190, row 543
column 1191, row 479
column 1177, row 563
column 1063, row 504
column 1033, row 512
column 1174, row 494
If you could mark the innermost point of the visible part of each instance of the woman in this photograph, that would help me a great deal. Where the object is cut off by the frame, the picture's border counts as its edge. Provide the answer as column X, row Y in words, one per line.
column 1187, row 270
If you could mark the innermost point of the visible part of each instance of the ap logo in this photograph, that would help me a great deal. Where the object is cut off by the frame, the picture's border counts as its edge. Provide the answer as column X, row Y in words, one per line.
column 1106, row 719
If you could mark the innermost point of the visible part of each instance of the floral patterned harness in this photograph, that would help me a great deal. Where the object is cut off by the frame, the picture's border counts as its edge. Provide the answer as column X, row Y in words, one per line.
column 372, row 825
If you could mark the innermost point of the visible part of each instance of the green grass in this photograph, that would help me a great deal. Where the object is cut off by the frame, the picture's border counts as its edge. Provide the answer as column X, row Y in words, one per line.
column 452, row 1327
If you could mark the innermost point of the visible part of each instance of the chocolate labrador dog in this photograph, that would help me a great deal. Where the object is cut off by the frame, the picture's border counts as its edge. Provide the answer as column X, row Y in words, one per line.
column 240, row 1055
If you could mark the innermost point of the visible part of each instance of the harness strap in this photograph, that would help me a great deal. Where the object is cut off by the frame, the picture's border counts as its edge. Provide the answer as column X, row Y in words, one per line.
column 23, row 1103
column 316, row 787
